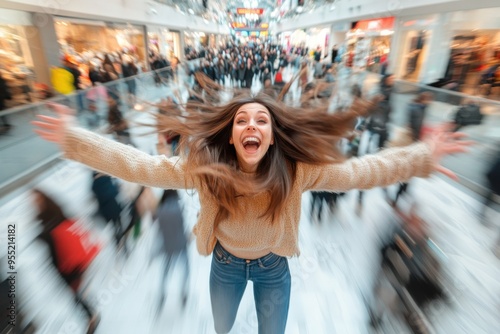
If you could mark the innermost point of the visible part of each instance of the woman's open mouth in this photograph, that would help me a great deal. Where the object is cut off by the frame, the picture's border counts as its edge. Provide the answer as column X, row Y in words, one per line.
column 251, row 144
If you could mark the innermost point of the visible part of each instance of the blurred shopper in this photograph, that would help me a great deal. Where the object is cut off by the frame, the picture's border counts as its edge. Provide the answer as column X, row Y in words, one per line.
column 318, row 70
column 4, row 95
column 319, row 198
column 118, row 124
column 335, row 52
column 413, row 268
column 417, row 112
column 241, row 74
column 144, row 202
column 64, row 78
column 129, row 72
column 378, row 120
column 109, row 208
column 249, row 74
column 278, row 78
column 70, row 249
column 173, row 233
column 469, row 113
column 493, row 177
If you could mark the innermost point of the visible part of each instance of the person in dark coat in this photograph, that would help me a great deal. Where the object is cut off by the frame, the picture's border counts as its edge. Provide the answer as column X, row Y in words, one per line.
column 130, row 70
column 4, row 95
column 171, row 224
column 378, row 121
column 241, row 74
column 106, row 192
column 335, row 52
column 418, row 110
column 493, row 177
column 249, row 75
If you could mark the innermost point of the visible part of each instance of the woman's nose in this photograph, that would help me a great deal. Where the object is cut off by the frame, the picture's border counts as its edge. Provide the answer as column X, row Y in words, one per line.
column 251, row 125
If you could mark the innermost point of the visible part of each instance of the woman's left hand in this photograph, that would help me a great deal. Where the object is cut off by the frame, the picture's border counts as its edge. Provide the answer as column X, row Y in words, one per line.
column 443, row 142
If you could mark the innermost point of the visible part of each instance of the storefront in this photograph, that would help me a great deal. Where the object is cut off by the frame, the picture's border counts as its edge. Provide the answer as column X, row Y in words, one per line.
column 369, row 43
column 473, row 53
column 198, row 40
column 85, row 37
column 293, row 39
column 22, row 66
column 412, row 49
column 475, row 50
column 318, row 38
column 164, row 41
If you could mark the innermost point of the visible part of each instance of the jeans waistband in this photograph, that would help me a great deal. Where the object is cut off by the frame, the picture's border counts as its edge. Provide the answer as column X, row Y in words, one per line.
column 235, row 259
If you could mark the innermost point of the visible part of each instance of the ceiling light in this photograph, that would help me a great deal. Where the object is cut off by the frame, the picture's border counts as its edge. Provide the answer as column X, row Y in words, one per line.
column 191, row 11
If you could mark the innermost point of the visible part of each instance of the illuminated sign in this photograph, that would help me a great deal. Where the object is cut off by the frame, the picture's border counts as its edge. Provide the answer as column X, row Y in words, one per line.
column 386, row 23
column 264, row 25
column 243, row 11
column 238, row 25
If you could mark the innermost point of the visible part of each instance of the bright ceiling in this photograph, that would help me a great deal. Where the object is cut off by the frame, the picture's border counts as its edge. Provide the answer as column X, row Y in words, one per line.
column 224, row 11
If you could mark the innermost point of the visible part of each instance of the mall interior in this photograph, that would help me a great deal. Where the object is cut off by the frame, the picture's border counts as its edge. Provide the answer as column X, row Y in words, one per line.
column 94, row 241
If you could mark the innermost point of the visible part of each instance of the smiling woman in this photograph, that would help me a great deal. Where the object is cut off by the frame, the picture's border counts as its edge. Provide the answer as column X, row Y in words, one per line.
column 250, row 160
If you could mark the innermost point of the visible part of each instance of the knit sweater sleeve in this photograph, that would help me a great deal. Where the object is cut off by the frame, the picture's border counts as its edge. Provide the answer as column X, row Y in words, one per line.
column 382, row 169
column 124, row 162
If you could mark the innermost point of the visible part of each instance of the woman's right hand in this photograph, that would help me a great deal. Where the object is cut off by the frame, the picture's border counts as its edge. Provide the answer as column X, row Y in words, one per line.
column 53, row 128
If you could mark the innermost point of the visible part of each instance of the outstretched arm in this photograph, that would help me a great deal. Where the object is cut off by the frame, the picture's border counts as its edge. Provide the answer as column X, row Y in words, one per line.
column 388, row 167
column 107, row 156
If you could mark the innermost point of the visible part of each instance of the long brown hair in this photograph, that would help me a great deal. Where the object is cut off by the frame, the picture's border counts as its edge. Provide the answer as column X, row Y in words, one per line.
column 50, row 213
column 300, row 135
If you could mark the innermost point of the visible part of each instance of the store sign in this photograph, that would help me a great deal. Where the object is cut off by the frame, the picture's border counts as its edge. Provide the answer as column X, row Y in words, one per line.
column 420, row 23
column 386, row 23
column 243, row 11
column 238, row 25
column 243, row 26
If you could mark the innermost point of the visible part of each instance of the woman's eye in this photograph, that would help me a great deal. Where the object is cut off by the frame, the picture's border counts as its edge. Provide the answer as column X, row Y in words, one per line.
column 262, row 121
column 240, row 121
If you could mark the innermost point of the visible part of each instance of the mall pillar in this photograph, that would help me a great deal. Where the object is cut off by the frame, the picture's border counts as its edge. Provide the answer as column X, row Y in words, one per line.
column 336, row 38
column 36, row 53
column 183, row 46
column 48, row 37
column 434, row 67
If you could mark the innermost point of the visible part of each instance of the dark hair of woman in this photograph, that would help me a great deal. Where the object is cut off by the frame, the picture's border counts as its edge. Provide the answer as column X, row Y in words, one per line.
column 49, row 212
column 300, row 135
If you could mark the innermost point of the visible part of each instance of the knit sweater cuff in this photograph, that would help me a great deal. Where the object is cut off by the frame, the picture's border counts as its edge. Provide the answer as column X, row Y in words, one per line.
column 425, row 160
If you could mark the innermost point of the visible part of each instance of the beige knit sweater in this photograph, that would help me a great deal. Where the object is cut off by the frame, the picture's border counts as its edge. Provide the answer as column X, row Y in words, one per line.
column 246, row 235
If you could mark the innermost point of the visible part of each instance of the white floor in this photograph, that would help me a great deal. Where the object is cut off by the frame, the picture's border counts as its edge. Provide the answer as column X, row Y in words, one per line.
column 331, row 279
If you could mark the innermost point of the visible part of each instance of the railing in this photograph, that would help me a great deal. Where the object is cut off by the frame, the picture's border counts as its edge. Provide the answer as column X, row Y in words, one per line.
column 470, row 167
column 23, row 154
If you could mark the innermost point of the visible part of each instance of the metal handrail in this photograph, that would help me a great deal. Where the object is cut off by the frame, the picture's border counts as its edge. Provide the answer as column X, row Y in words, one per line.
column 424, row 87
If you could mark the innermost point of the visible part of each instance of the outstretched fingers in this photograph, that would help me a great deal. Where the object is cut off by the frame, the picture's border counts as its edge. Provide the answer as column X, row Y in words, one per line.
column 48, row 135
column 446, row 172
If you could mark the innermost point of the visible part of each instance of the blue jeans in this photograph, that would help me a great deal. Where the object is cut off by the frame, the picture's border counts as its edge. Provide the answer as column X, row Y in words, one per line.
column 271, row 281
